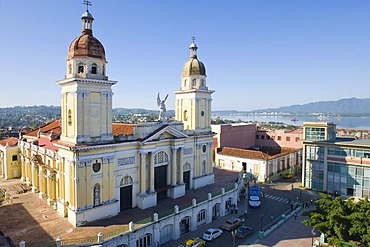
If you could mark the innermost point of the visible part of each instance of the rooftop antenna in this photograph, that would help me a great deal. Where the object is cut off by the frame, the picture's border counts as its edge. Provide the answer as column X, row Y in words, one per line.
column 87, row 3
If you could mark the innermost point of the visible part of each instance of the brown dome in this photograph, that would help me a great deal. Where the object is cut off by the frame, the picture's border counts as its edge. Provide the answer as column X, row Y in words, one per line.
column 86, row 45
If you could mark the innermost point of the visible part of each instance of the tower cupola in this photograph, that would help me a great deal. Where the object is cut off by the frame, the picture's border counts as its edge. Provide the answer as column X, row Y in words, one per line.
column 86, row 91
column 193, row 100
column 193, row 67
column 86, row 55
column 87, row 20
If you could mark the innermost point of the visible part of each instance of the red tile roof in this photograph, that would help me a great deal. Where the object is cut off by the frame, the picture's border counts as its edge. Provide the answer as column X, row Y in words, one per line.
column 54, row 126
column 46, row 143
column 122, row 129
column 12, row 141
column 252, row 154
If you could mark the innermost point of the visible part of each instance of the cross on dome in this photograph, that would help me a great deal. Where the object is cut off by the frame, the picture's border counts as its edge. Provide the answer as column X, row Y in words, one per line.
column 87, row 3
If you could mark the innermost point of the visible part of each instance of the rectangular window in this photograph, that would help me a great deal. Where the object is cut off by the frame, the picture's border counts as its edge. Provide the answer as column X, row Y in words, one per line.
column 315, row 134
column 287, row 139
column 367, row 172
column 257, row 137
column 262, row 137
column 359, row 172
column 297, row 139
column 279, row 138
column 14, row 157
column 268, row 137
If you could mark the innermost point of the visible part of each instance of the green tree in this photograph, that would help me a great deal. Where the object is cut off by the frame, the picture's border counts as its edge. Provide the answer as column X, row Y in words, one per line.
column 341, row 220
column 360, row 221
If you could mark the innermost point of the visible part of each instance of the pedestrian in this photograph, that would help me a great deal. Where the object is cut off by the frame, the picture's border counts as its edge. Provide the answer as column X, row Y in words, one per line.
column 291, row 206
column 295, row 215
column 292, row 186
column 236, row 210
column 289, row 201
column 272, row 217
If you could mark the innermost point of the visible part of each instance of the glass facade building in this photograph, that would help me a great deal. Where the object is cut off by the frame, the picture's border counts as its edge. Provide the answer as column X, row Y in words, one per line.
column 335, row 165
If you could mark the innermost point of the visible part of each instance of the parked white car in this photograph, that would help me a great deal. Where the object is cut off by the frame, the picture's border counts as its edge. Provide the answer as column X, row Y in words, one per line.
column 212, row 233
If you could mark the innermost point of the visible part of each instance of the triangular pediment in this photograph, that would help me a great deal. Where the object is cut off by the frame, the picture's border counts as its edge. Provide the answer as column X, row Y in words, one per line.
column 163, row 133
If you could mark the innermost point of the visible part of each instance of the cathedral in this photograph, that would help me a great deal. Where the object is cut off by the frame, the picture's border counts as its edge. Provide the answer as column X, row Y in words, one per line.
column 90, row 168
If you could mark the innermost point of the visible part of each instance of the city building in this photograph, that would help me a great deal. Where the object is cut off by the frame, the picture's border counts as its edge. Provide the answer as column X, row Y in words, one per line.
column 90, row 168
column 243, row 147
column 339, row 165
column 10, row 165
column 262, row 163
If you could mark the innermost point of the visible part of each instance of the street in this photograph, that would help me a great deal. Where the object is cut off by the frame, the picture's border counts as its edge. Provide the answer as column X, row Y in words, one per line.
column 276, row 200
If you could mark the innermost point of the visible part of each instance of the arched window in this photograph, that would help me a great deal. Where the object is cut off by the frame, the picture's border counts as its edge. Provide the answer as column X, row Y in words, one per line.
column 144, row 241
column 80, row 69
column 69, row 117
column 194, row 82
column 202, row 82
column 204, row 167
column 201, row 218
column 103, row 70
column 127, row 180
column 161, row 157
column 96, row 195
column 185, row 115
column 185, row 82
column 94, row 69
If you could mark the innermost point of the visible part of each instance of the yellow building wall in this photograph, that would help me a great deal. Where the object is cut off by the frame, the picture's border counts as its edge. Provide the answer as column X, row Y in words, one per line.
column 11, row 168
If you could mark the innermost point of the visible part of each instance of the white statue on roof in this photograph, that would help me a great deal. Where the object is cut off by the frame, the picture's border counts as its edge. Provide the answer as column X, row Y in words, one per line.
column 162, row 108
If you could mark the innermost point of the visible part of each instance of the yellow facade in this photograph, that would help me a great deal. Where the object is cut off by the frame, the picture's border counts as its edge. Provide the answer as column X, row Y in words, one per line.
column 10, row 165
column 89, row 168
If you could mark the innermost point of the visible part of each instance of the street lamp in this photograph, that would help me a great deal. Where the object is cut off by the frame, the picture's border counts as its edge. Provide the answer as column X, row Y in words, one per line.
column 261, row 217
column 313, row 235
column 233, row 233
column 245, row 215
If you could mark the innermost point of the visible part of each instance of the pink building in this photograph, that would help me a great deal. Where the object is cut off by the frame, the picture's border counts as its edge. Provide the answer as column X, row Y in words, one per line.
column 261, row 153
column 281, row 138
column 234, row 135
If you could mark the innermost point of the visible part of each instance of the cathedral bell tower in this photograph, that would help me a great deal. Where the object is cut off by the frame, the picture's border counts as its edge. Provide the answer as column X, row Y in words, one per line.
column 193, row 100
column 86, row 94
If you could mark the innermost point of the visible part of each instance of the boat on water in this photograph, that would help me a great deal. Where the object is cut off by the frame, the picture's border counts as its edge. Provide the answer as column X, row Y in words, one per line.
column 294, row 120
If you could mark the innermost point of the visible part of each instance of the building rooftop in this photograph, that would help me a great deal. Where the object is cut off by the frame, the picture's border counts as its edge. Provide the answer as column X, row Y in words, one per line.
column 11, row 141
column 262, row 154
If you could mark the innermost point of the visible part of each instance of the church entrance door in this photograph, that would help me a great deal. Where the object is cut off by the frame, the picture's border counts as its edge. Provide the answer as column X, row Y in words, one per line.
column 160, row 181
column 187, row 180
column 126, row 197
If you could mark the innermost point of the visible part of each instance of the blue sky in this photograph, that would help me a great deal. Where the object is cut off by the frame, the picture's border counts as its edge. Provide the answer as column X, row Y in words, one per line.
column 258, row 54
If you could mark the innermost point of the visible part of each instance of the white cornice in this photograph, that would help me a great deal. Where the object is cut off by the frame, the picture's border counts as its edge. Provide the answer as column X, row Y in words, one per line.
column 86, row 81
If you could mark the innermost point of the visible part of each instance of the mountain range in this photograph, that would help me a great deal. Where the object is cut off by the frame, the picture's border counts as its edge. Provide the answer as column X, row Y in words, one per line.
column 342, row 106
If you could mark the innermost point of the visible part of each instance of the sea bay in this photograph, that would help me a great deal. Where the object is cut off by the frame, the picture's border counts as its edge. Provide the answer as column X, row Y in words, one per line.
column 342, row 122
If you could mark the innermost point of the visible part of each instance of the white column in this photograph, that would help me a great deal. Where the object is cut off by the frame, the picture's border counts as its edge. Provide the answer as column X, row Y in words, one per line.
column 174, row 164
column 151, row 172
column 168, row 174
column 142, row 173
column 181, row 166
